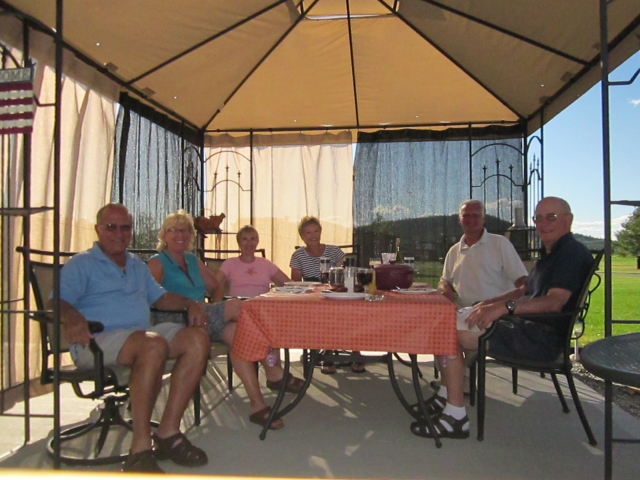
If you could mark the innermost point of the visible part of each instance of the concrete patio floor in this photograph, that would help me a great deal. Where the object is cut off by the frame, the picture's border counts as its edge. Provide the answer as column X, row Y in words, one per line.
column 352, row 426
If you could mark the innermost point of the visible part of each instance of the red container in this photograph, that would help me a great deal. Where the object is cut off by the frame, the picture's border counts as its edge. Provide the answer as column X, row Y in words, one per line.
column 389, row 277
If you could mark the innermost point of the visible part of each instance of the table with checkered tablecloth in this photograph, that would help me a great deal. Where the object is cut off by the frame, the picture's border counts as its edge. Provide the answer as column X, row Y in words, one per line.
column 415, row 324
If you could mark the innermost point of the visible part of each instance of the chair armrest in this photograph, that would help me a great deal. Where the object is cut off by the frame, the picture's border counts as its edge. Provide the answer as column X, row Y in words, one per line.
column 550, row 319
column 95, row 326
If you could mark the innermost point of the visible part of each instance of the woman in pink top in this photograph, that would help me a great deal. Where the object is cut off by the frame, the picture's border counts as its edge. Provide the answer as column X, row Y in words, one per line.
column 248, row 275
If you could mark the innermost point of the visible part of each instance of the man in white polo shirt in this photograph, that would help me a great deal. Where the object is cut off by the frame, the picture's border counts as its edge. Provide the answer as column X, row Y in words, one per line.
column 480, row 266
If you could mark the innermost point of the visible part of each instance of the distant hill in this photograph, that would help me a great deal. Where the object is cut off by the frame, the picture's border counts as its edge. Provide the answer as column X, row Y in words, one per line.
column 592, row 243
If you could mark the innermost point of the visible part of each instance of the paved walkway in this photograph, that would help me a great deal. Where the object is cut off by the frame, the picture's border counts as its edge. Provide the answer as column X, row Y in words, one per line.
column 352, row 426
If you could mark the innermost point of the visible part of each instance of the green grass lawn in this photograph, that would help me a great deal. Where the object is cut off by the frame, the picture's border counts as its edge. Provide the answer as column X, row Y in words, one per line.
column 626, row 296
column 625, row 283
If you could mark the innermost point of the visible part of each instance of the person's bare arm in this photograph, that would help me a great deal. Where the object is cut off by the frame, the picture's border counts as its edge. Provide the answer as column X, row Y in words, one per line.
column 520, row 282
column 446, row 289
column 514, row 294
column 279, row 278
column 76, row 328
column 221, row 278
column 173, row 301
column 553, row 301
column 296, row 274
column 156, row 269
column 212, row 283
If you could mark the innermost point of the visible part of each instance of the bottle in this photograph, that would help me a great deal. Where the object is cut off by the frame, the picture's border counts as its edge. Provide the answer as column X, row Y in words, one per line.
column 350, row 278
column 272, row 357
column 399, row 258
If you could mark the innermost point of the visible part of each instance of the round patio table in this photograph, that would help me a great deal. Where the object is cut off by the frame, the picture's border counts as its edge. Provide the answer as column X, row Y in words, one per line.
column 615, row 359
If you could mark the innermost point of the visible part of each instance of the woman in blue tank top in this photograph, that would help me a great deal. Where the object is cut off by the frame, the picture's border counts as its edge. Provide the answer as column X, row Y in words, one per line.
column 178, row 270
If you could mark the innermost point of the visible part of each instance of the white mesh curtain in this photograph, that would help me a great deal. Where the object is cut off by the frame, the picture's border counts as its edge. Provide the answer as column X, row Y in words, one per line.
column 288, row 177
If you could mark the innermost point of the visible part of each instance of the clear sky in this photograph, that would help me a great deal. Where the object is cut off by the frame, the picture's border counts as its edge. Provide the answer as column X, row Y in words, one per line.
column 573, row 153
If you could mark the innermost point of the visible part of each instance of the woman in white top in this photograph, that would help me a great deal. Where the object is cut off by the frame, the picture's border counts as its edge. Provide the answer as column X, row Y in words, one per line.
column 305, row 261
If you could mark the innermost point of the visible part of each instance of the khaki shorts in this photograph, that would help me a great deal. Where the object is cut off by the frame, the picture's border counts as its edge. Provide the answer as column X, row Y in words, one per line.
column 111, row 343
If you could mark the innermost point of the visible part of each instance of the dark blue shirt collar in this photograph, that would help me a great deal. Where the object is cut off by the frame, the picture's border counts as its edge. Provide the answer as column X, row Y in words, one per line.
column 567, row 237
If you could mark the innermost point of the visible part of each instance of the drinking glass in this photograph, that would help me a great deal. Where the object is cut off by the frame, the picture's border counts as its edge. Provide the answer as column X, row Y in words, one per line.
column 411, row 262
column 336, row 277
column 388, row 258
column 365, row 278
column 325, row 266
column 373, row 261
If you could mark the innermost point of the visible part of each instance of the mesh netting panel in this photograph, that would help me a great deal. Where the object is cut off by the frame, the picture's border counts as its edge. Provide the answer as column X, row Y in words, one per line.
column 412, row 190
column 151, row 176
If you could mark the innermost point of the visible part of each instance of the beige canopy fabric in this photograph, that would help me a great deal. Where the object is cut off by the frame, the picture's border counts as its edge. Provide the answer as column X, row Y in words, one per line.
column 269, row 65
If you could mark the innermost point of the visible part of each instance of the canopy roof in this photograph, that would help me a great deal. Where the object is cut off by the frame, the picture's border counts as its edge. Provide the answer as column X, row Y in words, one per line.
column 266, row 65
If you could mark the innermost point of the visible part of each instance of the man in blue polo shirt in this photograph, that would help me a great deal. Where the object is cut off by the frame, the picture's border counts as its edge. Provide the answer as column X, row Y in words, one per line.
column 552, row 286
column 108, row 284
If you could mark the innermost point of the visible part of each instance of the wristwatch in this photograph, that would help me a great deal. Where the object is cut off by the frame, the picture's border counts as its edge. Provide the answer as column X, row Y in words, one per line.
column 511, row 306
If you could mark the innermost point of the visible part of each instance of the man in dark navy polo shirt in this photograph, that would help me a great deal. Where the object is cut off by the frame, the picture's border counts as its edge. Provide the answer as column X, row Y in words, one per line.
column 552, row 286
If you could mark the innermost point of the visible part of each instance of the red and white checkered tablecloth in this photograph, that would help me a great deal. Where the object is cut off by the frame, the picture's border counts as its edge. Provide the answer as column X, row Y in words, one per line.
column 400, row 323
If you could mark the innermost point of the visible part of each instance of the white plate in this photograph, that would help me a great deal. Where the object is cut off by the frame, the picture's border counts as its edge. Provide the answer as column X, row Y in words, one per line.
column 301, row 284
column 414, row 291
column 344, row 295
column 291, row 289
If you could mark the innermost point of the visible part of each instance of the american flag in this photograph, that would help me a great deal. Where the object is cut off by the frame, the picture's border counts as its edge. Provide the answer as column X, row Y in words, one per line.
column 16, row 100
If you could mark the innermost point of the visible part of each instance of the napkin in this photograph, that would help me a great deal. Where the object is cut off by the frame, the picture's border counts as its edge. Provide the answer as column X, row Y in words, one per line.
column 461, row 318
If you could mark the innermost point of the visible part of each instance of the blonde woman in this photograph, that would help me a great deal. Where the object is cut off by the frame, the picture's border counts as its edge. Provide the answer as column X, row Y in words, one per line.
column 178, row 270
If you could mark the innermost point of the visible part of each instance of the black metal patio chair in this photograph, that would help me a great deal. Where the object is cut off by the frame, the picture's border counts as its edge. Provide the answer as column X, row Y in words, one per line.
column 559, row 365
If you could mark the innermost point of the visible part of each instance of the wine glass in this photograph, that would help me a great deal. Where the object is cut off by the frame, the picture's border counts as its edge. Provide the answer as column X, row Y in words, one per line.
column 411, row 262
column 365, row 278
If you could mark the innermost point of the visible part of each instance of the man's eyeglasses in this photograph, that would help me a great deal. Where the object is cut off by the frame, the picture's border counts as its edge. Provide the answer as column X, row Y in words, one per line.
column 112, row 228
column 549, row 217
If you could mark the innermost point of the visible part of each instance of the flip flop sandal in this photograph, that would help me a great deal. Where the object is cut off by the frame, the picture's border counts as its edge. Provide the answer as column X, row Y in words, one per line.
column 357, row 367
column 421, row 429
column 293, row 385
column 434, row 404
column 183, row 453
column 141, row 462
column 328, row 368
column 262, row 416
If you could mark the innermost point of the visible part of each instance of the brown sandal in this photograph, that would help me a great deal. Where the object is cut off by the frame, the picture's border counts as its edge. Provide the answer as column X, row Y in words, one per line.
column 293, row 385
column 328, row 368
column 357, row 367
column 141, row 462
column 261, row 417
column 183, row 453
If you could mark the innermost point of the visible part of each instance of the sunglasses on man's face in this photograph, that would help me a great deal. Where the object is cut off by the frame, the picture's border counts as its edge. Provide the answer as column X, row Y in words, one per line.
column 113, row 227
column 549, row 217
